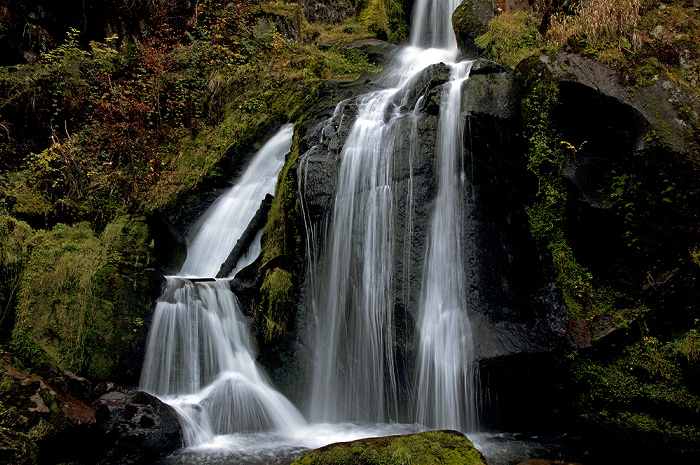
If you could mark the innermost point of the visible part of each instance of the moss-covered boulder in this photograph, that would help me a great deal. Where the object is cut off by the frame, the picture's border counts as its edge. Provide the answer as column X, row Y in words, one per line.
column 469, row 21
column 429, row 448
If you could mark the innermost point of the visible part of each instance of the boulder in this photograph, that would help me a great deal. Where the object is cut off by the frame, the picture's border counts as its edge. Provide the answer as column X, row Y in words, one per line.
column 134, row 428
column 427, row 448
column 469, row 21
column 654, row 107
column 379, row 52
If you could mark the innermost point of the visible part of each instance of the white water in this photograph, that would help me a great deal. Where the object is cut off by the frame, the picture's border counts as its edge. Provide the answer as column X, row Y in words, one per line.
column 199, row 357
column 351, row 297
column 352, row 289
column 432, row 24
column 216, row 232
column 445, row 396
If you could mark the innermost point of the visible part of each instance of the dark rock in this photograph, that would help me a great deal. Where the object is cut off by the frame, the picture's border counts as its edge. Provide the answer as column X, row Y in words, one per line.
column 65, row 381
column 134, row 428
column 378, row 52
column 482, row 66
column 255, row 225
column 655, row 105
column 490, row 90
column 442, row 446
column 426, row 83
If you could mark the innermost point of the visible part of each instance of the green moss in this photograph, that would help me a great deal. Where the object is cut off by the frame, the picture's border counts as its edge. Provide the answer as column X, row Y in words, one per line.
column 277, row 305
column 15, row 249
column 638, row 395
column 510, row 38
column 17, row 448
column 281, row 235
column 281, row 242
column 463, row 20
column 444, row 447
column 71, row 295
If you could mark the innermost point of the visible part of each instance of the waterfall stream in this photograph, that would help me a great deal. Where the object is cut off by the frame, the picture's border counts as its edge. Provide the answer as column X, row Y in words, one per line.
column 445, row 391
column 352, row 294
column 199, row 357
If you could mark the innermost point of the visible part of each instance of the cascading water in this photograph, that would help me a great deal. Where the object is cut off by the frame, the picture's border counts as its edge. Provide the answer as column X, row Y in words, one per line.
column 445, row 388
column 352, row 290
column 199, row 357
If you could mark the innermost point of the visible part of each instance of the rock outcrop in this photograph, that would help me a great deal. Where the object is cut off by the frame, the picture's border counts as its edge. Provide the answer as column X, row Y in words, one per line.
column 469, row 21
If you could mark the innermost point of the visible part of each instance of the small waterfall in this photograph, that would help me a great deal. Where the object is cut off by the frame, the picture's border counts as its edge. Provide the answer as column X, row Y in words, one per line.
column 432, row 24
column 216, row 232
column 199, row 357
column 445, row 388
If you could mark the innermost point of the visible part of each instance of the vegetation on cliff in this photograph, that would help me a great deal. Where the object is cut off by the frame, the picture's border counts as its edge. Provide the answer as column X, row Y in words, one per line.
column 96, row 132
column 624, row 250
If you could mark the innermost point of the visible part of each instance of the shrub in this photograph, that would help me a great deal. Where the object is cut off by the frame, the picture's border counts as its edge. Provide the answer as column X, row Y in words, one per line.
column 599, row 20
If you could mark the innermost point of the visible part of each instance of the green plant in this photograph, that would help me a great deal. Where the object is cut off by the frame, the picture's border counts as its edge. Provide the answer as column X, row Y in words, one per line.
column 510, row 38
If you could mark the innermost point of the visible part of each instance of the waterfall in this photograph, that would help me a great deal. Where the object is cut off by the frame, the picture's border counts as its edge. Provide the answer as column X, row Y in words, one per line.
column 445, row 395
column 432, row 24
column 217, row 230
column 351, row 275
column 199, row 356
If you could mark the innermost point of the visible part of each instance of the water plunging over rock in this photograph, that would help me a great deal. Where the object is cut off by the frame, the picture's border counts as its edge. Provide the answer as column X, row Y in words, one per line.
column 370, row 308
column 200, row 358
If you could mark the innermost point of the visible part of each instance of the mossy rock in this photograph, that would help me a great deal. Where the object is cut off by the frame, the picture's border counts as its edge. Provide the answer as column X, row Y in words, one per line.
column 469, row 21
column 17, row 448
column 444, row 447
column 84, row 299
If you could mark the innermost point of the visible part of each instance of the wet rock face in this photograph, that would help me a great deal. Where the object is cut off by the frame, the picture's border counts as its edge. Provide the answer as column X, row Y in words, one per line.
column 514, row 301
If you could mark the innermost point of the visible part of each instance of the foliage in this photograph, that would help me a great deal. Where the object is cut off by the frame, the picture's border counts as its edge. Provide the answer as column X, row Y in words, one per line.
column 599, row 20
column 374, row 17
column 510, row 38
column 15, row 249
column 70, row 295
column 639, row 394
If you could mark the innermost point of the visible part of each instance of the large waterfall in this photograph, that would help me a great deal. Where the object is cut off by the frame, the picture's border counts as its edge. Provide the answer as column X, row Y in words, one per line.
column 199, row 357
column 352, row 295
